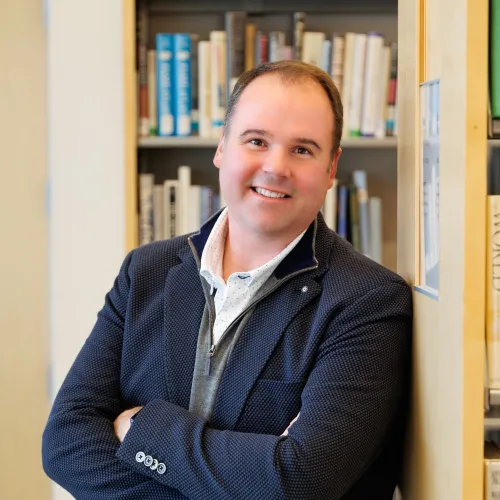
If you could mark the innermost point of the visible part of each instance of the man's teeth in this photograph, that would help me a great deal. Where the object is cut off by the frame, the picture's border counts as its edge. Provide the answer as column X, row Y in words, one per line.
column 269, row 194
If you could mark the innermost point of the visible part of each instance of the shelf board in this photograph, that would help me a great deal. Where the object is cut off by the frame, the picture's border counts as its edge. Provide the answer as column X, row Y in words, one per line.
column 201, row 142
column 275, row 6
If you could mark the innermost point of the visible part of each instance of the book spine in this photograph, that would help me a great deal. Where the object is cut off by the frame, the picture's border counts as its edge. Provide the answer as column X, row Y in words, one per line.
column 350, row 41
column 195, row 99
column 170, row 206
column 182, row 84
column 250, row 31
column 491, row 479
column 218, row 80
column 194, row 208
column 343, row 194
column 312, row 50
column 142, row 59
column 372, row 84
column 337, row 66
column 146, row 225
column 184, row 177
column 235, row 35
column 391, row 98
column 326, row 57
column 493, row 292
column 384, row 89
column 276, row 43
column 264, row 48
column 354, row 217
column 330, row 207
column 375, row 213
column 204, row 88
column 164, row 53
column 359, row 178
column 152, row 78
column 299, row 26
column 358, row 69
column 158, row 211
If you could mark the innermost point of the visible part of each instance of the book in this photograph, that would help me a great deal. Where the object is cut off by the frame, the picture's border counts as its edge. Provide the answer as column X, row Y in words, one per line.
column 182, row 84
column 360, row 180
column 299, row 25
column 337, row 65
column 158, row 212
column 195, row 72
column 204, row 89
column 164, row 54
column 146, row 228
column 218, row 78
column 491, row 470
column 495, row 58
column 330, row 206
column 171, row 209
column 358, row 70
column 184, row 202
column 152, row 102
column 142, row 60
column 375, row 215
column 235, row 35
column 312, row 48
column 350, row 40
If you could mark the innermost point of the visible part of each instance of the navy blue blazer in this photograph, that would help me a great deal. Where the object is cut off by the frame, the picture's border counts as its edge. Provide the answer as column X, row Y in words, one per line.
column 333, row 342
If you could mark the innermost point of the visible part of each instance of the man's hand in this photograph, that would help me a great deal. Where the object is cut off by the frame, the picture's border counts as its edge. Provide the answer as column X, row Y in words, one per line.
column 291, row 423
column 122, row 422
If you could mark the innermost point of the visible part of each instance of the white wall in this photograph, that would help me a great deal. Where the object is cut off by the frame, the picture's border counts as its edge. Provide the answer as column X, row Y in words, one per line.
column 86, row 168
column 23, row 251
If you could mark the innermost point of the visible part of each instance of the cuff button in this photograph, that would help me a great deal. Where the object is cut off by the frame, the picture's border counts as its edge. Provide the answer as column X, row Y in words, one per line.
column 148, row 461
column 162, row 468
column 140, row 457
column 155, row 464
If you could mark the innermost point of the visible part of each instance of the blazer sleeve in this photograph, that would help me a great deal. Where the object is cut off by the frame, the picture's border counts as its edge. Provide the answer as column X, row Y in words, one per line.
column 78, row 445
column 350, row 404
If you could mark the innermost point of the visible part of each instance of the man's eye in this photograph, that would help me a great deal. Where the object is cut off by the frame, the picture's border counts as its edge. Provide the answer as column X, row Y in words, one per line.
column 302, row 151
column 256, row 142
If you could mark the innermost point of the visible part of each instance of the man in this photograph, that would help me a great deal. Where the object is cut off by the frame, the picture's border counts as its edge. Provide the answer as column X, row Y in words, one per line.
column 214, row 344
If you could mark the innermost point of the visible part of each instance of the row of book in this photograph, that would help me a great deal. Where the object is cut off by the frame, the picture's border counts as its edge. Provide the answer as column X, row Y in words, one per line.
column 355, row 216
column 176, row 207
column 184, row 83
column 173, row 207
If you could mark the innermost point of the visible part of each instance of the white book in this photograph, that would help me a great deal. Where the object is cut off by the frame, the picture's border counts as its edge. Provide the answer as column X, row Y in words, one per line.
column 375, row 216
column 276, row 43
column 337, row 66
column 204, row 89
column 170, row 208
column 194, row 208
column 146, row 230
column 312, row 47
column 358, row 70
column 330, row 207
column 350, row 40
column 372, row 84
column 218, row 77
column 184, row 177
column 158, row 211
column 384, row 89
column 152, row 97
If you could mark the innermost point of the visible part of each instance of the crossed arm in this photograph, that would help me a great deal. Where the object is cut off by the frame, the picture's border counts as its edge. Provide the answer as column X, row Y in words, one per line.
column 342, row 425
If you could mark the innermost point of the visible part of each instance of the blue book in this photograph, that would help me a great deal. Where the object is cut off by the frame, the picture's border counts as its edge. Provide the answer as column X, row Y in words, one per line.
column 343, row 201
column 182, row 84
column 165, row 88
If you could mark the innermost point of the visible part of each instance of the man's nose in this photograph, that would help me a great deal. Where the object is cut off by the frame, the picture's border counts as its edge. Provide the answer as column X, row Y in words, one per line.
column 276, row 162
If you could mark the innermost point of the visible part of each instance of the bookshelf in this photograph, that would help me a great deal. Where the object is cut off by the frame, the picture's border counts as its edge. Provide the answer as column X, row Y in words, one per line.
column 162, row 155
column 445, row 439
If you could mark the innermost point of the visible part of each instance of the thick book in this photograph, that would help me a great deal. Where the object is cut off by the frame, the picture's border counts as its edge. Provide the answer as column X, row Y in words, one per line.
column 358, row 72
column 235, row 35
column 146, row 224
column 152, row 102
column 165, row 88
column 182, row 84
column 142, row 61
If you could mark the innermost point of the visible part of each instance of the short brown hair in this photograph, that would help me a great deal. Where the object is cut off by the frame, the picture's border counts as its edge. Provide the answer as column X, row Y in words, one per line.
column 293, row 72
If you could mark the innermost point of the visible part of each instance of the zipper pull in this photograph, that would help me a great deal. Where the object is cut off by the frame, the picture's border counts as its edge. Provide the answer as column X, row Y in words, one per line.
column 208, row 361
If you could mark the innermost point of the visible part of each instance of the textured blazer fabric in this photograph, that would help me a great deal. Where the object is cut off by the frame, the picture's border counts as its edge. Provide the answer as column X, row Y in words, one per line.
column 331, row 342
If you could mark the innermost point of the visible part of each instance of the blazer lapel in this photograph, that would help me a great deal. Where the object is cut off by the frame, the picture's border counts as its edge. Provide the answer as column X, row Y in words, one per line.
column 257, row 343
column 184, row 304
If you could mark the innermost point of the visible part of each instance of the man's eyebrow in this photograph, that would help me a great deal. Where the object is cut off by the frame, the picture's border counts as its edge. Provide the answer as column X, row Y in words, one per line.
column 311, row 142
column 263, row 133
column 255, row 131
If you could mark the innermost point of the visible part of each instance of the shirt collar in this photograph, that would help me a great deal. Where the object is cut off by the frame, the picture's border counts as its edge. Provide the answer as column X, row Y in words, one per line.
column 213, row 254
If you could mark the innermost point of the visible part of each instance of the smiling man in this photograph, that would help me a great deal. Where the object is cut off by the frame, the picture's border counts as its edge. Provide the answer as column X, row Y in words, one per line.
column 260, row 358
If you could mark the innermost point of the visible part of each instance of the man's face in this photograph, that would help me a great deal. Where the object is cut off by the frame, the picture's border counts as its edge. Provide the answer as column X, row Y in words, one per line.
column 275, row 161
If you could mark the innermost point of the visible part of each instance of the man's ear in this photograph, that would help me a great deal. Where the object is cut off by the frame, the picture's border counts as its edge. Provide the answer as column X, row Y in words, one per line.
column 219, row 150
column 333, row 166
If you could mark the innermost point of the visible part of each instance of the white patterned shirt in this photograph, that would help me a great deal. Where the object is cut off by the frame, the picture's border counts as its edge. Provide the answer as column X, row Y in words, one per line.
column 231, row 298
